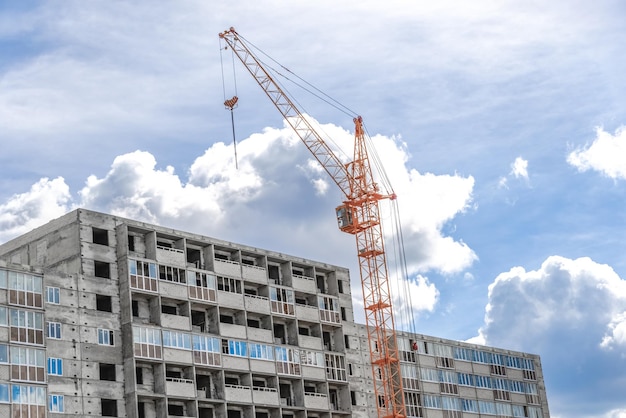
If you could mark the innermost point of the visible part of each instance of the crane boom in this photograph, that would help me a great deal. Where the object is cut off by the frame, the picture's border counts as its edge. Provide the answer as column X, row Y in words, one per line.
column 358, row 215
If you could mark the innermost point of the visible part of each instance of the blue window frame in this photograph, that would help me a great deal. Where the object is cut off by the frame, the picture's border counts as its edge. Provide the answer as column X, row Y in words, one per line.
column 54, row 330
column 55, row 366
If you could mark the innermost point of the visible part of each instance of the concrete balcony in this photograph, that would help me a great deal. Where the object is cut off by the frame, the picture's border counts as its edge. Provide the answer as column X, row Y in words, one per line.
column 262, row 366
column 227, row 268
column 174, row 290
column 265, row 396
column 180, row 388
column 307, row 313
column 235, row 362
column 207, row 393
column 175, row 322
column 306, row 341
column 237, row 393
column 315, row 400
column 176, row 355
column 259, row 334
column 171, row 256
column 304, row 283
column 230, row 300
column 310, row 372
column 258, row 304
column 233, row 331
column 254, row 274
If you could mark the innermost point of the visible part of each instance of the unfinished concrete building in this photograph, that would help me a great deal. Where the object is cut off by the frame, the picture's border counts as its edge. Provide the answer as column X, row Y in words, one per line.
column 105, row 316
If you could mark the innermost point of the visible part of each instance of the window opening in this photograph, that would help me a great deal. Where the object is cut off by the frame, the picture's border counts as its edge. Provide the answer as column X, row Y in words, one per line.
column 100, row 236
column 102, row 269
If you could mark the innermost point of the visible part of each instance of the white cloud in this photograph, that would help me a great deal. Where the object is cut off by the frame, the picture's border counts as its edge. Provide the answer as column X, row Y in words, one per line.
column 572, row 312
column 616, row 413
column 411, row 298
column 135, row 188
column 519, row 168
column 562, row 294
column 606, row 154
column 276, row 183
column 47, row 199
column 616, row 334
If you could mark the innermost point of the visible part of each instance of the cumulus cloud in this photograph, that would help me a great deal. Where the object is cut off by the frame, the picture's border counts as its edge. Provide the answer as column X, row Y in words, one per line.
column 277, row 186
column 519, row 168
column 563, row 294
column 47, row 199
column 411, row 298
column 572, row 312
column 606, row 154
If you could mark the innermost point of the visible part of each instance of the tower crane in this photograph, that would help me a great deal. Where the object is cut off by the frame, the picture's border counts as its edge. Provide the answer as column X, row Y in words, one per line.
column 359, row 215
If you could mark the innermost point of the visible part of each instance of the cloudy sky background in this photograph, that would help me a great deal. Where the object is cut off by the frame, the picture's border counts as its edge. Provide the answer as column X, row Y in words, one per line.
column 500, row 125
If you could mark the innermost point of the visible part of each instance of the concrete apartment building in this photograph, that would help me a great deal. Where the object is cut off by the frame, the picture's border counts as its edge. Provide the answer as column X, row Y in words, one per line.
column 105, row 316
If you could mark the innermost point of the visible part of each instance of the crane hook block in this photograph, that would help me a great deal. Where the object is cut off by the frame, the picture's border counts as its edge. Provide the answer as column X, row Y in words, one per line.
column 231, row 103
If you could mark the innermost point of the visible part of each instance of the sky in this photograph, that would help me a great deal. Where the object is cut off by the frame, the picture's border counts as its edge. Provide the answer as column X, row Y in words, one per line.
column 500, row 124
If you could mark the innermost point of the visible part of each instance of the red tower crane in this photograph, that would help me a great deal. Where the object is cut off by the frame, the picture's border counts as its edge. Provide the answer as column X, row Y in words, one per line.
column 359, row 215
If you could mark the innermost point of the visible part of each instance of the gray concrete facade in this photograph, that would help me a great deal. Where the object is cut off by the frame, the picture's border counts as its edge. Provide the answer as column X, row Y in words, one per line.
column 107, row 316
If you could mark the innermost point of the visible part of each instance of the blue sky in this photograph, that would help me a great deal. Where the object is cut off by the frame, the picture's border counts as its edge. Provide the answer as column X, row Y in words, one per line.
column 500, row 125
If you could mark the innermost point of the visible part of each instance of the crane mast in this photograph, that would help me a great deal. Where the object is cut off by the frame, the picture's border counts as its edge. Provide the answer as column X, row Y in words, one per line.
column 359, row 215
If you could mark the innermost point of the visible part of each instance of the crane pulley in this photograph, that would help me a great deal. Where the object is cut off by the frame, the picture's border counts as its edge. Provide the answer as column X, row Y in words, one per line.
column 359, row 215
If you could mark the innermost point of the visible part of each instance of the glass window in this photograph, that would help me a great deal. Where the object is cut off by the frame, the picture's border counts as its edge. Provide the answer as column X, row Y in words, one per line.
column 4, row 393
column 482, row 381
column 432, row 401
column 237, row 348
column 528, row 364
column 518, row 411
column 429, row 375
column 503, row 409
column 4, row 353
column 442, row 350
column 55, row 366
column 488, row 408
column 53, row 295
column 3, row 279
column 498, row 359
column 482, row 357
column 469, row 405
column 54, row 330
column 461, row 353
column 466, row 379
column 312, row 358
column 261, row 351
column 177, row 340
column 500, row 384
column 55, row 403
column 517, row 386
column 451, row 404
column 28, row 395
column 209, row 344
column 105, row 337
column 3, row 316
column 514, row 362
column 447, row 376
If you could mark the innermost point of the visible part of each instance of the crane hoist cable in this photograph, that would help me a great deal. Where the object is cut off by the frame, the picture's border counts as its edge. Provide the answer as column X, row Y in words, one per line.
column 230, row 104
